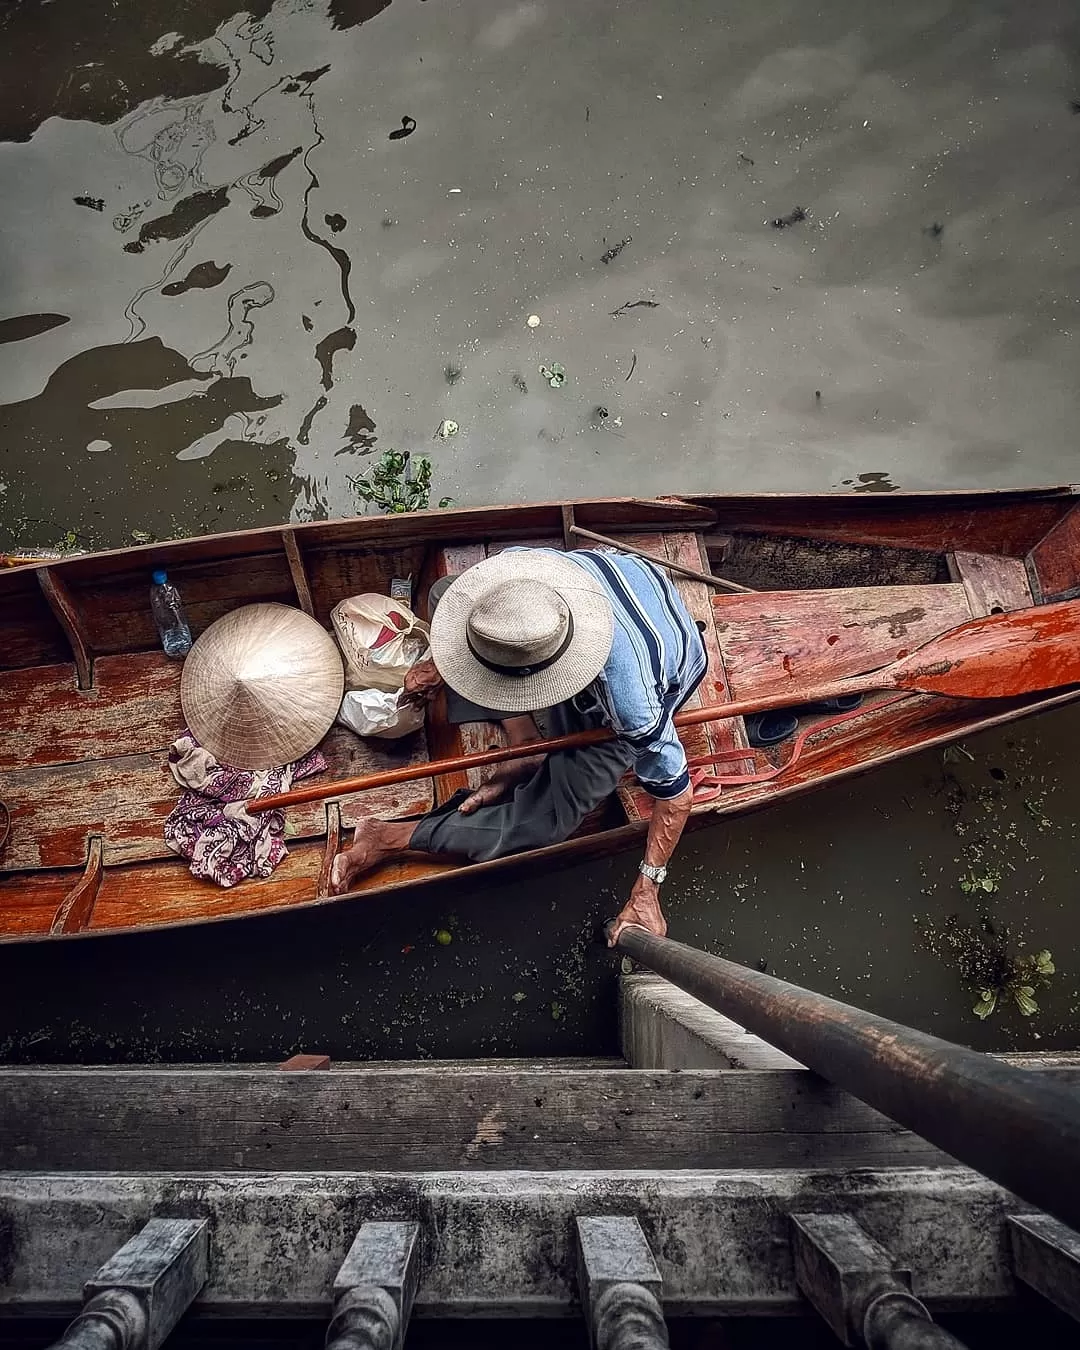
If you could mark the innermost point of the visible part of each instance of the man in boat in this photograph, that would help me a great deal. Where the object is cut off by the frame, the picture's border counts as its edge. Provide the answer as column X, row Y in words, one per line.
column 552, row 643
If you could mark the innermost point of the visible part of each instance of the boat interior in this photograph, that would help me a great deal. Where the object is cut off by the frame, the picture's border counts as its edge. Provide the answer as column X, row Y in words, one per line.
column 89, row 704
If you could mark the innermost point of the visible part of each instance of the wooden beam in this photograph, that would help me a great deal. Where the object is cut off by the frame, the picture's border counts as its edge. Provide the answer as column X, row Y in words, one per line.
column 298, row 571
column 66, row 612
column 280, row 1239
column 74, row 912
column 333, row 845
column 396, row 1118
column 135, row 1119
column 569, row 541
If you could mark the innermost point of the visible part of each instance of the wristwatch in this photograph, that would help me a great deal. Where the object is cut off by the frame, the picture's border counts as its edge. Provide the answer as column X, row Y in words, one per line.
column 657, row 874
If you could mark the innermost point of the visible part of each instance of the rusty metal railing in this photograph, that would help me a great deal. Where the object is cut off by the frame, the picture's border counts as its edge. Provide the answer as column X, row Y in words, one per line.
column 1017, row 1126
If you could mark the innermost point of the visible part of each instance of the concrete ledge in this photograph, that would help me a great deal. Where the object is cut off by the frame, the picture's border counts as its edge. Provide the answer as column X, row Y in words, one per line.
column 505, row 1244
column 661, row 1027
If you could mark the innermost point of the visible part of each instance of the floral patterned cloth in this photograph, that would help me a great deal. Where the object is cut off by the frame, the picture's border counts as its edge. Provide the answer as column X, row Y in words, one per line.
column 209, row 825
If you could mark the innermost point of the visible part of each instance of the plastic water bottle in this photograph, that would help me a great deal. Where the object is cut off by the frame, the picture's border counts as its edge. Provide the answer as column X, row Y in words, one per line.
column 168, row 611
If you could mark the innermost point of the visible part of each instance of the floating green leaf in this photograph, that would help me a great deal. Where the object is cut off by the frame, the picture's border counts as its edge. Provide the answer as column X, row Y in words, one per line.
column 988, row 966
column 397, row 483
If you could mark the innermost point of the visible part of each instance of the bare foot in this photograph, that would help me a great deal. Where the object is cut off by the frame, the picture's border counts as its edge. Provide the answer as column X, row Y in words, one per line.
column 373, row 842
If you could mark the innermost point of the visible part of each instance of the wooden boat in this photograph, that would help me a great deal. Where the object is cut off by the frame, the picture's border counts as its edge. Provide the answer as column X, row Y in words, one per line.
column 841, row 583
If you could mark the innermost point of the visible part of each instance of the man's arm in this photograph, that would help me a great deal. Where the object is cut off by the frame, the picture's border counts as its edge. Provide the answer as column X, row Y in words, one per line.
column 669, row 816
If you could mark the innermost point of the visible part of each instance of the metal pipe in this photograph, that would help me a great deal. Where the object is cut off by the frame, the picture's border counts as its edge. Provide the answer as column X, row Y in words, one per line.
column 896, row 1320
column 1019, row 1127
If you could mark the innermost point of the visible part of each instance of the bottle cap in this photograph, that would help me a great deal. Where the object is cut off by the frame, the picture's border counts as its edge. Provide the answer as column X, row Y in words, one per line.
column 159, row 577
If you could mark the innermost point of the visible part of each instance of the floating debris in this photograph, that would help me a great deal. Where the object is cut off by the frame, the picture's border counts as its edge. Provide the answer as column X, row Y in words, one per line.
column 792, row 218
column 634, row 304
column 142, row 536
column 519, row 997
column 633, row 367
column 408, row 126
column 982, row 958
column 397, row 484
column 934, row 230
column 533, row 320
column 745, row 159
column 94, row 203
column 446, row 429
column 615, row 250
column 443, row 937
column 554, row 374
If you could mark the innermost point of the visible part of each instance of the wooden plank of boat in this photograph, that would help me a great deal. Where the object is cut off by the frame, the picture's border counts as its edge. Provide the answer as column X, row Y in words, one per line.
column 899, row 539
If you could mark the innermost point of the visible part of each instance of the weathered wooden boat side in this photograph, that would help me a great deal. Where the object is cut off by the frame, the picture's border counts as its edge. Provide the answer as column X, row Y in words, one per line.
column 89, row 705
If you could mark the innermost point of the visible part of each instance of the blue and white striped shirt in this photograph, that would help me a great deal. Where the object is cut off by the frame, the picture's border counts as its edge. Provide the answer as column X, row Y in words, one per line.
column 657, row 661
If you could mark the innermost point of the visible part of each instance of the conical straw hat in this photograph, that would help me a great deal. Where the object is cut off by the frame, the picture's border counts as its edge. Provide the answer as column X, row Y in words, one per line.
column 262, row 686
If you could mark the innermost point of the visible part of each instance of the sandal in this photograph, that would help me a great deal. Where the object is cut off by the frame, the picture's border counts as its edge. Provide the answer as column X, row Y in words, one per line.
column 770, row 728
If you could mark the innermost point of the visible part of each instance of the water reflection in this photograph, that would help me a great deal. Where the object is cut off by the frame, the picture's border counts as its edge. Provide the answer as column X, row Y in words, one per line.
column 194, row 99
column 340, row 201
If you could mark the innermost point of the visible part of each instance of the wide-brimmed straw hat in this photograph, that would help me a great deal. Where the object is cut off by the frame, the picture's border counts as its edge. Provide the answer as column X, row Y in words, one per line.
column 524, row 630
column 262, row 686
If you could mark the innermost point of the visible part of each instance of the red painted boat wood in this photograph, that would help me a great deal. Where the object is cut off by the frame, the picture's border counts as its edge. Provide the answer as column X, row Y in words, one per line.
column 89, row 705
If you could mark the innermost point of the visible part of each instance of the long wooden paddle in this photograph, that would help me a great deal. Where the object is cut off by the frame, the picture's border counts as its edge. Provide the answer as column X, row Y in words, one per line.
column 1000, row 656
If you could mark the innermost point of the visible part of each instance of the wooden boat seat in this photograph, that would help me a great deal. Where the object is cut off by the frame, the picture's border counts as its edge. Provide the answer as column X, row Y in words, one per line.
column 67, row 775
column 775, row 641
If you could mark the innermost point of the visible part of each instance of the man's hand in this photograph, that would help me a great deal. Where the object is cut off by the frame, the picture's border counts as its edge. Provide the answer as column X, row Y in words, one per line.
column 501, row 784
column 422, row 683
column 642, row 909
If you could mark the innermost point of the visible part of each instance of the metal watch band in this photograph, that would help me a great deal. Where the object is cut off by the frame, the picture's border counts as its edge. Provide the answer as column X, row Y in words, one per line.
column 657, row 874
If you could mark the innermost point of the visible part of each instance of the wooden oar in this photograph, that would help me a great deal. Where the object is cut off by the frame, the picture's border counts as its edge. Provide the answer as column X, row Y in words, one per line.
column 1000, row 656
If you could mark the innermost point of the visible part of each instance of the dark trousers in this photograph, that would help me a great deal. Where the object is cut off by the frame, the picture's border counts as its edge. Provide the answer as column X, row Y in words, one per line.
column 546, row 809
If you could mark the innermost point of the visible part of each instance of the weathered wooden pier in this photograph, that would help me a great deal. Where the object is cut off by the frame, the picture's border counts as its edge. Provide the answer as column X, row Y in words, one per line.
column 758, row 1150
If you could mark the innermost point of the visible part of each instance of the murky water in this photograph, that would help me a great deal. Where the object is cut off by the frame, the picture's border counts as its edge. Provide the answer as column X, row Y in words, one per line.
column 247, row 250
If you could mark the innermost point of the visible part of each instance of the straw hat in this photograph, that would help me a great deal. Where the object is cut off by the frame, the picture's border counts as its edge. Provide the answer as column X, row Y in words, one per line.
column 262, row 686
column 524, row 630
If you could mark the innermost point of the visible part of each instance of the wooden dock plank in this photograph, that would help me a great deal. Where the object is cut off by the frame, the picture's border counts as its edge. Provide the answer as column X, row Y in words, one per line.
column 137, row 1119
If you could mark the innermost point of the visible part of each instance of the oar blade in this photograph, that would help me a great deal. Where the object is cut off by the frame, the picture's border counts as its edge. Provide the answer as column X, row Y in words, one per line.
column 1000, row 656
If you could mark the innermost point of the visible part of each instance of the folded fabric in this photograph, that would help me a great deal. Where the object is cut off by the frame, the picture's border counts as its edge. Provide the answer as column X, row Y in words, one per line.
column 209, row 824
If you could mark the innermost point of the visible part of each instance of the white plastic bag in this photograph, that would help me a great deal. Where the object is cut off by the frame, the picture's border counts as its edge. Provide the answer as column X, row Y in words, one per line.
column 375, row 712
column 380, row 638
